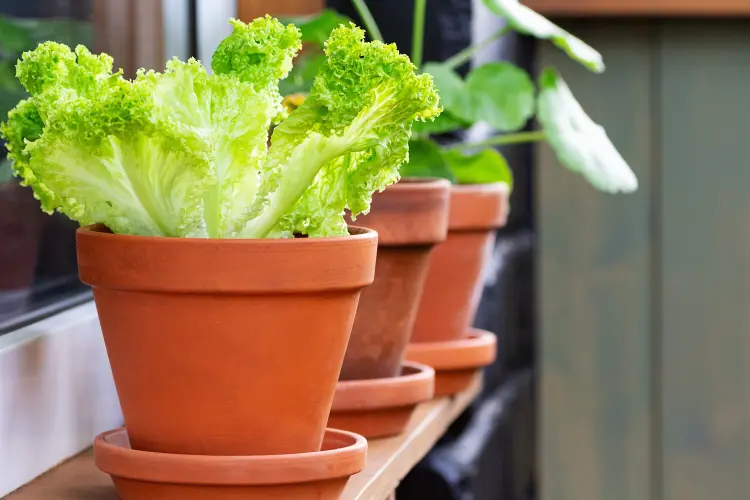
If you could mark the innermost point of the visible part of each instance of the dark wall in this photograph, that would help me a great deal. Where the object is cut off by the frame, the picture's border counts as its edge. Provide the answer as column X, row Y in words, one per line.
column 447, row 25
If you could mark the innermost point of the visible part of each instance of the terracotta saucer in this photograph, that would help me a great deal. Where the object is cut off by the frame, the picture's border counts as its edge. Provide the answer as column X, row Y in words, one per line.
column 382, row 407
column 143, row 475
column 455, row 361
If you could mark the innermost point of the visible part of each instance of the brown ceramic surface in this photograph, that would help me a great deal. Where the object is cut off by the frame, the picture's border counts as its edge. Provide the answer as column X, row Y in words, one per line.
column 410, row 217
column 455, row 361
column 455, row 279
column 140, row 475
column 226, row 347
column 378, row 408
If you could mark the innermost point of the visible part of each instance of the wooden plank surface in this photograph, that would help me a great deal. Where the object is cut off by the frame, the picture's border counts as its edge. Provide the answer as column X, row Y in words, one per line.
column 389, row 460
column 653, row 8
column 594, row 290
column 706, row 261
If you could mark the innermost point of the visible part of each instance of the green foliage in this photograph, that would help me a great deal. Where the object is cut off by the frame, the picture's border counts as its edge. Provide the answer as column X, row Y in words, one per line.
column 346, row 141
column 500, row 94
column 426, row 159
column 444, row 123
column 454, row 96
column 526, row 21
column 484, row 167
column 504, row 97
column 581, row 144
column 184, row 153
column 317, row 28
column 302, row 76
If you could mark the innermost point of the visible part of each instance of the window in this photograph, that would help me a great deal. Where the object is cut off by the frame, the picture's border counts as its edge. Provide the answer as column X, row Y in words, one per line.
column 38, row 270
column 38, row 274
column 56, row 389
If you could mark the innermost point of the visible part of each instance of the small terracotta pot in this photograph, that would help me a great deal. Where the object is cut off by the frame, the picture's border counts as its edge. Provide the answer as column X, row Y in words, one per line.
column 142, row 475
column 410, row 217
column 456, row 362
column 455, row 280
column 382, row 407
column 226, row 347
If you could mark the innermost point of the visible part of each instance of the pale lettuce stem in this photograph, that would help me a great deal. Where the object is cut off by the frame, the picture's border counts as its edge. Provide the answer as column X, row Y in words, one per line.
column 417, row 32
column 465, row 55
column 364, row 12
column 501, row 140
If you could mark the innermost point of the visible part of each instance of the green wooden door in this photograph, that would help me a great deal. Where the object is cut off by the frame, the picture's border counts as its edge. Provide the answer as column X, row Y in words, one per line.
column 645, row 300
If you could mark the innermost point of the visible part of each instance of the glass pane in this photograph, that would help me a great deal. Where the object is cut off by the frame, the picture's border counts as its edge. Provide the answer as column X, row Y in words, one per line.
column 38, row 273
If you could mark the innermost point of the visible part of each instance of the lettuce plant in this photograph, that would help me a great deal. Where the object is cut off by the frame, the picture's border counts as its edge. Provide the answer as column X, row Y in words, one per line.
column 506, row 98
column 186, row 154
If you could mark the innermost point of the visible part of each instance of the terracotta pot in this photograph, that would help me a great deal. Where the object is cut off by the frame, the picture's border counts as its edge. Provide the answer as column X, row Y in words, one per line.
column 226, row 347
column 377, row 408
column 455, row 280
column 410, row 217
column 456, row 362
column 142, row 475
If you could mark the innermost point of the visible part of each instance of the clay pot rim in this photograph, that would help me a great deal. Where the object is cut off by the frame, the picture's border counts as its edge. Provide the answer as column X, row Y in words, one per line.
column 347, row 456
column 419, row 184
column 98, row 231
column 491, row 187
column 225, row 266
column 478, row 207
column 415, row 386
column 412, row 212
column 477, row 349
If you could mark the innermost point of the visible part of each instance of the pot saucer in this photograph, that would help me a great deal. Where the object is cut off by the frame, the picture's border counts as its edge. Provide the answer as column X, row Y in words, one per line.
column 377, row 408
column 455, row 361
column 143, row 475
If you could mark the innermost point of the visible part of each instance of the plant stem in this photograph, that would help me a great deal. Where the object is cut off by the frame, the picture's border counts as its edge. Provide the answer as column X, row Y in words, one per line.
column 502, row 140
column 364, row 12
column 466, row 54
column 417, row 32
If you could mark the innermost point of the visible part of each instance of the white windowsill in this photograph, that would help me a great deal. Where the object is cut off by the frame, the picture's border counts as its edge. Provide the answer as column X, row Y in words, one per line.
column 56, row 394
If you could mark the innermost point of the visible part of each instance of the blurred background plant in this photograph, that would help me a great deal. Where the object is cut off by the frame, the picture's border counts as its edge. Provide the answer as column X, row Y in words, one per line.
column 498, row 94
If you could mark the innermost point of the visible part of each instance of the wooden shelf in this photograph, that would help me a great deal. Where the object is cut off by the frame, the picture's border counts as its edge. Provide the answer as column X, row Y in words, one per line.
column 640, row 8
column 389, row 460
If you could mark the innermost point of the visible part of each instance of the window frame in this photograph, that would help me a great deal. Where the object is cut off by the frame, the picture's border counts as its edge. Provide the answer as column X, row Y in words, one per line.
column 56, row 386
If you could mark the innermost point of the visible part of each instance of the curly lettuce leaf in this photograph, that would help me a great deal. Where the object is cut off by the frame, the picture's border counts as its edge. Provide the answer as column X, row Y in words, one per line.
column 102, row 159
column 345, row 142
column 259, row 53
column 229, row 120
column 24, row 125
column 53, row 74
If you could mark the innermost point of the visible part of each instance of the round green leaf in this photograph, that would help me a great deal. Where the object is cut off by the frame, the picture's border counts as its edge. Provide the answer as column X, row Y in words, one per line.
column 454, row 97
column 485, row 167
column 426, row 160
column 502, row 95
column 526, row 21
column 581, row 144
